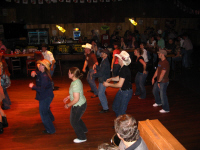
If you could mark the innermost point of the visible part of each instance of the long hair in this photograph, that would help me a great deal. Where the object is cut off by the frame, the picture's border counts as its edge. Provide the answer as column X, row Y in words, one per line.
column 76, row 72
column 48, row 73
column 139, row 50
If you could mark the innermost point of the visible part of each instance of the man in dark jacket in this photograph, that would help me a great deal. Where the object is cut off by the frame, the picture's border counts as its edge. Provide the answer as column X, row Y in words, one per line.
column 103, row 73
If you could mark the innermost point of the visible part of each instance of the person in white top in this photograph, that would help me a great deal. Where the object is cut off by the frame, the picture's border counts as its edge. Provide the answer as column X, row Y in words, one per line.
column 151, row 42
column 144, row 55
column 49, row 56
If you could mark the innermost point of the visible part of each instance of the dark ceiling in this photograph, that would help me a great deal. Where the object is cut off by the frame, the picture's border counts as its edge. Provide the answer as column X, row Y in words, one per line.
column 101, row 12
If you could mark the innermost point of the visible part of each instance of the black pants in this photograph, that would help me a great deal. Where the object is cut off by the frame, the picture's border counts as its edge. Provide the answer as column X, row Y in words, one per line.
column 76, row 121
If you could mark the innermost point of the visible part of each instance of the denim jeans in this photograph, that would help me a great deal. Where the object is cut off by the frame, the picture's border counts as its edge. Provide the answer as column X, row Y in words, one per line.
column 155, row 57
column 160, row 95
column 121, row 101
column 102, row 96
column 52, row 71
column 6, row 101
column 76, row 121
column 46, row 114
column 187, row 60
column 91, row 81
column 116, row 68
column 140, row 79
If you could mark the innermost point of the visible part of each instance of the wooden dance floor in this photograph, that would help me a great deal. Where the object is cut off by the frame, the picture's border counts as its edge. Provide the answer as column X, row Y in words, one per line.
column 25, row 126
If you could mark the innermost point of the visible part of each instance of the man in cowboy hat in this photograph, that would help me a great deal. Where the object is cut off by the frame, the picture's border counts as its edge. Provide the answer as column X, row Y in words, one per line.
column 160, row 86
column 49, row 56
column 103, row 73
column 90, row 60
column 124, row 95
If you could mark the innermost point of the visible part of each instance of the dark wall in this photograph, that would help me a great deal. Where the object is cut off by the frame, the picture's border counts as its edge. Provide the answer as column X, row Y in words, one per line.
column 94, row 12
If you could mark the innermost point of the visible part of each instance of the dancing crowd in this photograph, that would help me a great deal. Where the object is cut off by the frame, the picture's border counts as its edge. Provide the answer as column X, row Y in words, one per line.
column 101, row 69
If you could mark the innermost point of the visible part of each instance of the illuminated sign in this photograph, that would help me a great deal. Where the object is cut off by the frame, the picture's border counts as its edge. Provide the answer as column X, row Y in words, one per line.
column 133, row 22
column 61, row 28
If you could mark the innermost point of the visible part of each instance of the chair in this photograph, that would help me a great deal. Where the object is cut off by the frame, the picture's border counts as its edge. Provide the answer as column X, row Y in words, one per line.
column 15, row 64
column 30, row 65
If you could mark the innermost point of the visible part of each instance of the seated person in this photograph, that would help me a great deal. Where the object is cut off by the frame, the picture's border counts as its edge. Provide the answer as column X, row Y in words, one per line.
column 127, row 131
column 151, row 43
column 170, row 46
column 133, row 43
column 122, row 45
column 177, row 56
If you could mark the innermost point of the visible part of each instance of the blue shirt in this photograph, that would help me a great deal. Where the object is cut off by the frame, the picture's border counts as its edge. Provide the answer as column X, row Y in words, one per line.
column 43, row 86
column 103, row 71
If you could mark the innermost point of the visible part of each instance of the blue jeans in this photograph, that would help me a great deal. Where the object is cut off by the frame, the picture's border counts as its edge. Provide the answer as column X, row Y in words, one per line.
column 91, row 81
column 102, row 96
column 116, row 68
column 6, row 101
column 52, row 71
column 187, row 60
column 46, row 114
column 160, row 95
column 121, row 101
column 76, row 121
column 155, row 57
column 140, row 79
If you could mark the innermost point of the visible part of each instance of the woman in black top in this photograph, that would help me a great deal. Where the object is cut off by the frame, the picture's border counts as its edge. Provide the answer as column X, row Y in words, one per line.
column 141, row 74
column 124, row 95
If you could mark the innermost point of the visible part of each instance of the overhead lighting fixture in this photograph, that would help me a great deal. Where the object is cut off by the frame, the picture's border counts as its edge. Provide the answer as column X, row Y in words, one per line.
column 133, row 22
column 61, row 28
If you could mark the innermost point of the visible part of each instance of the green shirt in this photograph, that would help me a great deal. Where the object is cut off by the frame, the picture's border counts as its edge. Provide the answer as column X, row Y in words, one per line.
column 161, row 43
column 77, row 87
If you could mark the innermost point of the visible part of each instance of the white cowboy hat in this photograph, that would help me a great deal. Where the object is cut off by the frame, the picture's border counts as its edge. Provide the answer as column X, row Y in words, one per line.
column 125, row 57
column 87, row 45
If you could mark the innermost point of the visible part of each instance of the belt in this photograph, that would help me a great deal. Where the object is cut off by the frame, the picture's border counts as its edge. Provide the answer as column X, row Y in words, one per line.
column 126, row 89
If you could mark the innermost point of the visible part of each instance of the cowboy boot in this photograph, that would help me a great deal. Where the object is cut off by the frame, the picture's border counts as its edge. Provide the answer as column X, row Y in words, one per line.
column 1, row 128
column 4, row 122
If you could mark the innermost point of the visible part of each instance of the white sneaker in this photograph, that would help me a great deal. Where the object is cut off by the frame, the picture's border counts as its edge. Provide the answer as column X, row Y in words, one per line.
column 79, row 141
column 156, row 105
column 163, row 111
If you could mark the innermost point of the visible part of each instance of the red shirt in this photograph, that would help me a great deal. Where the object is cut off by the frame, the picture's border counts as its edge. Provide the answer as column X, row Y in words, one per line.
column 116, row 51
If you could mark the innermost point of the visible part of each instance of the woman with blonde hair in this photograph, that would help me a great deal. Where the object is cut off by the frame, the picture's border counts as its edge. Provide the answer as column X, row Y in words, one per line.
column 141, row 75
column 78, row 104
column 44, row 93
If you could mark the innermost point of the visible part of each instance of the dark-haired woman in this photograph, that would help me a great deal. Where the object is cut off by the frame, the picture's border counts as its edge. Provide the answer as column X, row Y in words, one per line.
column 44, row 93
column 141, row 74
column 3, row 119
column 5, row 83
column 78, row 104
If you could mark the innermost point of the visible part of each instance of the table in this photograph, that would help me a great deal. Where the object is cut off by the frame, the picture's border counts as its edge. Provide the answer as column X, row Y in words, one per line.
column 18, row 55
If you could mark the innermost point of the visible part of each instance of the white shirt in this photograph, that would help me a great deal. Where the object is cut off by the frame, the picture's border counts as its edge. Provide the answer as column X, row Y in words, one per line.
column 181, row 42
column 187, row 44
column 144, row 55
column 48, row 55
column 153, row 42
